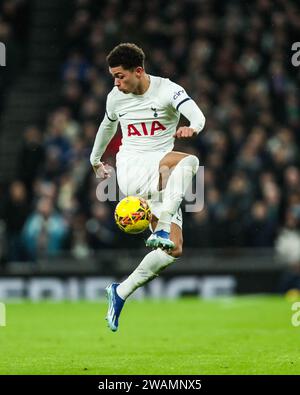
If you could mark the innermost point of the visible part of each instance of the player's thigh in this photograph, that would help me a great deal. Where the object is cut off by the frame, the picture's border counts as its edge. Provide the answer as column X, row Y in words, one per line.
column 166, row 164
column 172, row 158
column 176, row 236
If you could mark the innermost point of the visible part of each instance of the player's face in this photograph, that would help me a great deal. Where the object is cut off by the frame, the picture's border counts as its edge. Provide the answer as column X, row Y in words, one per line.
column 127, row 81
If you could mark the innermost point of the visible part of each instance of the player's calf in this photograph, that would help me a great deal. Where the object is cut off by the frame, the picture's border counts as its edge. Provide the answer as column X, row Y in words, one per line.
column 150, row 267
column 176, row 252
column 177, row 238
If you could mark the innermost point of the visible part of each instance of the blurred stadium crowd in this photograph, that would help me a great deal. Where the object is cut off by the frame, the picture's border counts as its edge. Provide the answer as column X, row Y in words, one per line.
column 234, row 59
column 14, row 30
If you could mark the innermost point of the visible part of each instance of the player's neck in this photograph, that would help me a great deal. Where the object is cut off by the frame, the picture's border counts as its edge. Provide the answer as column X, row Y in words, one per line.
column 143, row 86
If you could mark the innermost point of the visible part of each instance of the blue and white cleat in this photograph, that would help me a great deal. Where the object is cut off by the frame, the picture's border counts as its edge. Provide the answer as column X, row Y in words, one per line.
column 160, row 239
column 115, row 305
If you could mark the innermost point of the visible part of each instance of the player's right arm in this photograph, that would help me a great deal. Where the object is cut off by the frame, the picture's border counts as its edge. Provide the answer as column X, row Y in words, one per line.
column 106, row 131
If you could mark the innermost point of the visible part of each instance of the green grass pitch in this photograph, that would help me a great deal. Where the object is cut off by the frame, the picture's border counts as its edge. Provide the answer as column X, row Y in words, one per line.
column 240, row 335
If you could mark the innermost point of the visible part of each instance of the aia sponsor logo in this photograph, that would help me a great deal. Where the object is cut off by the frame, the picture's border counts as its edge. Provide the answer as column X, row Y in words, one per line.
column 141, row 130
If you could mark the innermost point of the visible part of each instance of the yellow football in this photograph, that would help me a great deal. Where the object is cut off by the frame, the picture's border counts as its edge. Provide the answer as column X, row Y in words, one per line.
column 132, row 215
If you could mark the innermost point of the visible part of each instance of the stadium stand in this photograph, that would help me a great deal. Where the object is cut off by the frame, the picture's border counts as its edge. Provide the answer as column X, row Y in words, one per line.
column 224, row 57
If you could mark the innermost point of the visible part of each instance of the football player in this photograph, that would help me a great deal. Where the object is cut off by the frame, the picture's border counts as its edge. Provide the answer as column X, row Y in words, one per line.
column 148, row 109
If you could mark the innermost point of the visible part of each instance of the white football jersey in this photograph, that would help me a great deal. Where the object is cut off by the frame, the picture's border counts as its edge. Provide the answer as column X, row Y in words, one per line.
column 148, row 121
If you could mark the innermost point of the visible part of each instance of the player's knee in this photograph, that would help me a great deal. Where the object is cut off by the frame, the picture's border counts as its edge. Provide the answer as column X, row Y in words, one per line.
column 194, row 162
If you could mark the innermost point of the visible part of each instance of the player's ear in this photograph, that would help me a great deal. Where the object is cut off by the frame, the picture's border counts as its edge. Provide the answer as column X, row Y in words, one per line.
column 139, row 71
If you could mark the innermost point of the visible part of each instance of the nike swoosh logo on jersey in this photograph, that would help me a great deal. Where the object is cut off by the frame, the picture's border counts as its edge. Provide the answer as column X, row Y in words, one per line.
column 121, row 115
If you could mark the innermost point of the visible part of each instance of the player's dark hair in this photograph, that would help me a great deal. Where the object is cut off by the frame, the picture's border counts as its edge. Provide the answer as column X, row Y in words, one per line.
column 127, row 55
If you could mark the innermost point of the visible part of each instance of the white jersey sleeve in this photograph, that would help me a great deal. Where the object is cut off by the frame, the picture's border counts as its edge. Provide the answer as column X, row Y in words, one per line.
column 182, row 102
column 106, row 131
column 176, row 95
column 110, row 110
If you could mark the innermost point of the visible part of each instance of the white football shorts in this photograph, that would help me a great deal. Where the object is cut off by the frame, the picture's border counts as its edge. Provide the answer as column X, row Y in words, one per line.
column 138, row 175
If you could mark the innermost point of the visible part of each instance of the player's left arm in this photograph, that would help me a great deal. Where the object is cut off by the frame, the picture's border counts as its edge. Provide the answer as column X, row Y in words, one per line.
column 194, row 115
column 181, row 102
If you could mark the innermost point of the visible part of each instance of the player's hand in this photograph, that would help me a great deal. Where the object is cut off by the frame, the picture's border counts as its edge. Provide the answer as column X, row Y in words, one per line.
column 184, row 132
column 101, row 171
